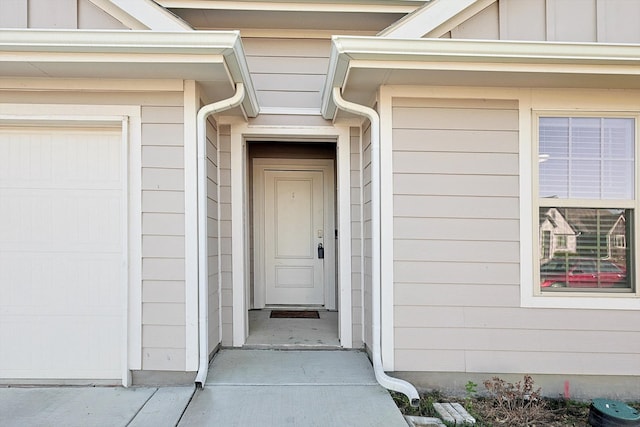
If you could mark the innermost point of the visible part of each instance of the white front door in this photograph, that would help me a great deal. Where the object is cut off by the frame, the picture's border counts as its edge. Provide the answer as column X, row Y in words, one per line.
column 294, row 245
column 294, row 230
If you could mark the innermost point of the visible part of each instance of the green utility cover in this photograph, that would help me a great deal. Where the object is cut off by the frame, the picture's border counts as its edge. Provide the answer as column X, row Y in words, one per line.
column 616, row 409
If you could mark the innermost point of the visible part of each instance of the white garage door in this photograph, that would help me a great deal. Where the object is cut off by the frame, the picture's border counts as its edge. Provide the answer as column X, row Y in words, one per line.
column 61, row 253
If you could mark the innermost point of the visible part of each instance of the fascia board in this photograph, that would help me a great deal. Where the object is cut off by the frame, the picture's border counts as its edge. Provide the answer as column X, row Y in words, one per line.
column 239, row 70
column 426, row 50
column 390, row 53
column 132, row 46
column 336, row 77
column 117, row 41
column 147, row 13
column 427, row 18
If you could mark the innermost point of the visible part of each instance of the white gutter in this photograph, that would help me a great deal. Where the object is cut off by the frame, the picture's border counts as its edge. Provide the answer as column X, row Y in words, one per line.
column 385, row 380
column 203, row 253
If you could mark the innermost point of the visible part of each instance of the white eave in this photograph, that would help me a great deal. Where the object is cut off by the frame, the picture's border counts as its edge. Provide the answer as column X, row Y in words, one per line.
column 359, row 65
column 435, row 18
column 215, row 59
column 142, row 15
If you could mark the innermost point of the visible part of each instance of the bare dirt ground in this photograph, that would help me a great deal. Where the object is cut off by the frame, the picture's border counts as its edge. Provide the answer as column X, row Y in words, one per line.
column 503, row 404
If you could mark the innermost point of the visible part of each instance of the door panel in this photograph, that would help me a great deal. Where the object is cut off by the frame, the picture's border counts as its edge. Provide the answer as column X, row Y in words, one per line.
column 294, row 226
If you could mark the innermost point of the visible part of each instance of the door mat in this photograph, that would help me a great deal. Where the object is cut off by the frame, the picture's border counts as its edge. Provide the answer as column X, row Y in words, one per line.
column 295, row 314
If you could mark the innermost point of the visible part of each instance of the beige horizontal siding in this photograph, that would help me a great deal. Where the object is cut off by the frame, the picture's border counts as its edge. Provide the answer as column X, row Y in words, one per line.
column 457, row 252
column 475, row 273
column 169, row 291
column 522, row 340
column 224, row 188
column 168, row 224
column 481, row 316
column 213, row 195
column 163, row 336
column 512, row 362
column 455, row 185
column 163, row 359
column 288, row 73
column 456, row 294
column 455, row 207
column 356, row 240
column 163, row 241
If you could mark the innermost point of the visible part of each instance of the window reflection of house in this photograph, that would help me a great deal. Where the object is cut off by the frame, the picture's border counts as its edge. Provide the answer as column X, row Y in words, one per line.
column 596, row 233
column 556, row 234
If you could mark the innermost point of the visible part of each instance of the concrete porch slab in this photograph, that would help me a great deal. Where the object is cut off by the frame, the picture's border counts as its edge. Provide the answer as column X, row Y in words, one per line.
column 293, row 405
column 275, row 367
column 292, row 388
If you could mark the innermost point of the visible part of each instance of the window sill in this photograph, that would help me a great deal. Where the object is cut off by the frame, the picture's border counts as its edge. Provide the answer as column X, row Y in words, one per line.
column 582, row 300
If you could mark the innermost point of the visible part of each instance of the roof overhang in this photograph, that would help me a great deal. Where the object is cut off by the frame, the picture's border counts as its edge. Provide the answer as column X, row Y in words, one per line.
column 360, row 65
column 214, row 59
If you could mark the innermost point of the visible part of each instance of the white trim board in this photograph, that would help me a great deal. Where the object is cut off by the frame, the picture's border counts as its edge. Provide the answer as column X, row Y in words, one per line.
column 435, row 18
column 242, row 132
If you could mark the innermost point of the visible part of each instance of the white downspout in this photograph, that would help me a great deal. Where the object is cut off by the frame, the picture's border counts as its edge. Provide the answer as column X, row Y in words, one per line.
column 385, row 380
column 203, row 253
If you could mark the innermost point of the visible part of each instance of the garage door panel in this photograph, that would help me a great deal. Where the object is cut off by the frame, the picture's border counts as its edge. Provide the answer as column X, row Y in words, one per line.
column 61, row 220
column 59, row 284
column 50, row 345
column 47, row 158
column 61, row 253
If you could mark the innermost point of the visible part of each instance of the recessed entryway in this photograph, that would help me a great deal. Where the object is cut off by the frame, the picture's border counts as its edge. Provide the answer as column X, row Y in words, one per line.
column 293, row 236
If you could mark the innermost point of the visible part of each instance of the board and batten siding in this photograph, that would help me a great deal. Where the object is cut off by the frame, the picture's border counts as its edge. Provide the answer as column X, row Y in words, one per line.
column 163, row 243
column 602, row 21
column 456, row 255
column 213, row 197
column 63, row 14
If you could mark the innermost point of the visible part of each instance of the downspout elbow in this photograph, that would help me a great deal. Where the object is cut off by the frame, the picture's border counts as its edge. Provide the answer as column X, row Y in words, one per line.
column 203, row 269
column 383, row 379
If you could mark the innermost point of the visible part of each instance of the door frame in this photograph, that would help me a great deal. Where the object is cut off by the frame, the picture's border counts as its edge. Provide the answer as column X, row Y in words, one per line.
column 260, row 165
column 242, row 133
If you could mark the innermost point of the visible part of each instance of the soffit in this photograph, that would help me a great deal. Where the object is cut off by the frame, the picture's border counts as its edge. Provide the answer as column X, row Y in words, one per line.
column 366, row 17
column 214, row 59
column 360, row 65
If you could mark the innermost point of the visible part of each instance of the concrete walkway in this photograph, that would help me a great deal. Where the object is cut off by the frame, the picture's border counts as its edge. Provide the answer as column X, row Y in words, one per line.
column 93, row 406
column 292, row 388
column 244, row 388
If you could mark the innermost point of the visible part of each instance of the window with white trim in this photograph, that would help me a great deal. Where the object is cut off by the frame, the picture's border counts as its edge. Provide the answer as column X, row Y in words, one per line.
column 586, row 203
